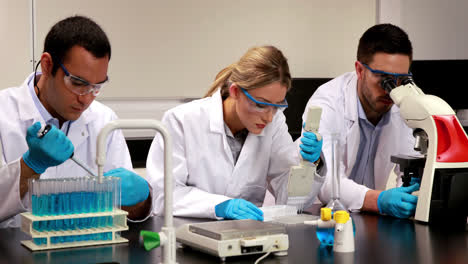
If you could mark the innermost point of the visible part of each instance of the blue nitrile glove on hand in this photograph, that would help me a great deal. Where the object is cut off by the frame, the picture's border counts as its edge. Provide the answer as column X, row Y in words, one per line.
column 238, row 209
column 310, row 147
column 398, row 201
column 134, row 189
column 415, row 180
column 52, row 149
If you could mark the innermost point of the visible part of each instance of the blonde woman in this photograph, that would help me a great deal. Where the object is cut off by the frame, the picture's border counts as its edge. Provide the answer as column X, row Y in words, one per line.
column 232, row 145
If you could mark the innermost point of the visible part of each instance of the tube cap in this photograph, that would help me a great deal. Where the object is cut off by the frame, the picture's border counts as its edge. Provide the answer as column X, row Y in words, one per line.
column 341, row 217
column 325, row 214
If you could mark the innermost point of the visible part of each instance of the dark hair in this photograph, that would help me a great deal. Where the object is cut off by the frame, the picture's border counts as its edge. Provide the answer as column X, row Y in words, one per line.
column 386, row 38
column 75, row 30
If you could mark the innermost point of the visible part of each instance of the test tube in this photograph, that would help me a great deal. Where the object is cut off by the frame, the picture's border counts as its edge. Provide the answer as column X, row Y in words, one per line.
column 109, row 194
column 117, row 188
column 109, row 199
column 52, row 203
column 74, row 190
column 47, row 203
column 65, row 206
column 40, row 204
column 33, row 190
column 117, row 192
column 106, row 200
column 32, row 196
column 86, row 202
column 95, row 189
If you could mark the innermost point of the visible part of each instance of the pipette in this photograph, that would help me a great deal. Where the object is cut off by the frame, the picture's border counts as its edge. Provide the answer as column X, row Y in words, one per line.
column 301, row 177
column 43, row 131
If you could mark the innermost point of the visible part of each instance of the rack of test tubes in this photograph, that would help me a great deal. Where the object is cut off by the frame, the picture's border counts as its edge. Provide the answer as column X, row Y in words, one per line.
column 74, row 212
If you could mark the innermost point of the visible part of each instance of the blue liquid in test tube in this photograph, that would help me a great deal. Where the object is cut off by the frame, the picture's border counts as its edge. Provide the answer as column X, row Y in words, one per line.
column 35, row 207
column 43, row 210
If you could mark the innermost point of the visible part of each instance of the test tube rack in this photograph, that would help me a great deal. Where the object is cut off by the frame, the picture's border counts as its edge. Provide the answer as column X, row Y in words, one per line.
column 119, row 224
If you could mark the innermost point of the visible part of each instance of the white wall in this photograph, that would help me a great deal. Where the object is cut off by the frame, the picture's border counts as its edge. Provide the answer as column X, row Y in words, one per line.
column 175, row 48
column 15, row 44
column 438, row 29
column 165, row 51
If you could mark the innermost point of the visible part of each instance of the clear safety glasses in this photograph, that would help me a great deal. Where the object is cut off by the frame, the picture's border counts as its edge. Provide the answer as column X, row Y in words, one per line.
column 396, row 77
column 263, row 107
column 79, row 86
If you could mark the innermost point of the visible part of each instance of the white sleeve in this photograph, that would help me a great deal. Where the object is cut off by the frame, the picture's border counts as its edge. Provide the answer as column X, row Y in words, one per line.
column 10, row 201
column 189, row 201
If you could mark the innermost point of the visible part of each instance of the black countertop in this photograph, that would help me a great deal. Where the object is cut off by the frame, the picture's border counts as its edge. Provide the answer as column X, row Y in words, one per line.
column 379, row 239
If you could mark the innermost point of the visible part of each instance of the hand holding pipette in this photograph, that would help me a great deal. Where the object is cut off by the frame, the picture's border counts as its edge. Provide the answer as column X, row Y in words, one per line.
column 312, row 142
column 48, row 149
column 41, row 133
column 302, row 179
column 135, row 189
column 311, row 146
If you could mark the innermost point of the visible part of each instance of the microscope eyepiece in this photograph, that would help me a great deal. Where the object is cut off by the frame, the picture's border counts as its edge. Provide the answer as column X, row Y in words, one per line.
column 407, row 80
column 388, row 84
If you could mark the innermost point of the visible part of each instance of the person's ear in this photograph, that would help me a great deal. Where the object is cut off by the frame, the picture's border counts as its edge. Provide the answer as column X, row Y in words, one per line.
column 359, row 70
column 47, row 64
column 234, row 91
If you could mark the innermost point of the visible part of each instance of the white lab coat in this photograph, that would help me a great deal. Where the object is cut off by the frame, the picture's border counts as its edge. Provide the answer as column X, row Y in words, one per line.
column 204, row 170
column 17, row 113
column 338, row 99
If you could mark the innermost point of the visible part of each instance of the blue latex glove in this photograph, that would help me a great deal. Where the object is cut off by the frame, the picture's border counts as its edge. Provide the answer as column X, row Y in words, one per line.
column 310, row 147
column 135, row 189
column 238, row 209
column 415, row 180
column 51, row 150
column 398, row 201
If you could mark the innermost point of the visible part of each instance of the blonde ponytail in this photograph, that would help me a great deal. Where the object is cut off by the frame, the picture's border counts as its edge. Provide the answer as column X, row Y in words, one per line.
column 258, row 67
column 221, row 82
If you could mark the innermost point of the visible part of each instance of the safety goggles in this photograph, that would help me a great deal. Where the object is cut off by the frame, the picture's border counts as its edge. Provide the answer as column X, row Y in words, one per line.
column 263, row 107
column 397, row 78
column 79, row 86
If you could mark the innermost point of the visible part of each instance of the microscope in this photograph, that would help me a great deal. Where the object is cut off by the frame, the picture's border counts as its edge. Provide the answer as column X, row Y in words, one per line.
column 443, row 167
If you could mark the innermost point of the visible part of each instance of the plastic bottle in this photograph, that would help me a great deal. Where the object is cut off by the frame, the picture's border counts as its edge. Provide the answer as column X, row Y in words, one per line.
column 344, row 232
column 327, row 227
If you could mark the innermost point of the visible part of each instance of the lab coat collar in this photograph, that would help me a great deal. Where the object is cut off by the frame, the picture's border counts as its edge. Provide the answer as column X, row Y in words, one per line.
column 351, row 112
column 217, row 118
column 26, row 107
column 216, row 114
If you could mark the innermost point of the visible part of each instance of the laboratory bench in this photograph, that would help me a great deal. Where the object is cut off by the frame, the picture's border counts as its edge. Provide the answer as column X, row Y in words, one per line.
column 378, row 239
